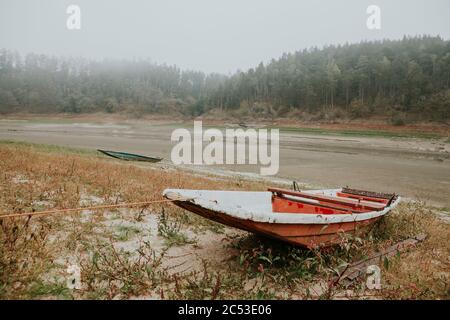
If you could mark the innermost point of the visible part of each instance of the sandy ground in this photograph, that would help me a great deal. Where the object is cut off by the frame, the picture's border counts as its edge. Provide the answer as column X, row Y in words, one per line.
column 414, row 168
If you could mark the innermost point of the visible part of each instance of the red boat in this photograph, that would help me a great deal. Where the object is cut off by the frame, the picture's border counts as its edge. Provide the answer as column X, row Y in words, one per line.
column 307, row 218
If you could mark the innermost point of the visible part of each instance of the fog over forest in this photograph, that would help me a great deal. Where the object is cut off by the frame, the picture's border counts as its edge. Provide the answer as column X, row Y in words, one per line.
column 410, row 76
column 310, row 60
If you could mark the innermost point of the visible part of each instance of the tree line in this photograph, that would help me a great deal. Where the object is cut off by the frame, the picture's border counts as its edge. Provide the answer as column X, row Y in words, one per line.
column 396, row 78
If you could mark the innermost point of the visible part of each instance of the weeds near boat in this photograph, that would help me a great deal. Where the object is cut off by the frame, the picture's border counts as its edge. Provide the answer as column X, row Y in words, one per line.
column 297, row 269
column 171, row 231
column 119, row 273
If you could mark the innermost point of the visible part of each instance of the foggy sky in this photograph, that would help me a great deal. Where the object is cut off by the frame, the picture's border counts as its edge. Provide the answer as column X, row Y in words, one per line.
column 209, row 35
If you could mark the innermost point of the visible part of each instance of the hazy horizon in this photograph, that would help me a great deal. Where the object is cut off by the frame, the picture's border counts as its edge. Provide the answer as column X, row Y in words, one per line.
column 208, row 36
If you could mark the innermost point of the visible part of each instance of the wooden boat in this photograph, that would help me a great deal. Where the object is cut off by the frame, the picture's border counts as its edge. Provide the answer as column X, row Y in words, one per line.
column 129, row 156
column 310, row 218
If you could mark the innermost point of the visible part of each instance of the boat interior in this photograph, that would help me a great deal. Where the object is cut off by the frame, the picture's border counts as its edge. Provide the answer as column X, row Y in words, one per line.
column 341, row 201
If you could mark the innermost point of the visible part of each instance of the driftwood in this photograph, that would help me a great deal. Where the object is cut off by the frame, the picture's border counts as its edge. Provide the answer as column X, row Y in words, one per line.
column 357, row 269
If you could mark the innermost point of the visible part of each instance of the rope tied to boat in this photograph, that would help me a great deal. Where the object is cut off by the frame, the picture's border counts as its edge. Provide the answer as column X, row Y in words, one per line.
column 72, row 210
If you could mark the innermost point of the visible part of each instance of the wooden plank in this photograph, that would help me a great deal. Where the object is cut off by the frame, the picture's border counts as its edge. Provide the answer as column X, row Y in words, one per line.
column 349, row 202
column 284, row 204
column 365, row 198
column 372, row 194
column 357, row 269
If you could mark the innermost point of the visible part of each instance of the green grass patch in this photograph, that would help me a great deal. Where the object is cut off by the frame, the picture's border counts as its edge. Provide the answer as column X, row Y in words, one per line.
column 364, row 133
column 43, row 121
column 50, row 148
column 347, row 132
column 42, row 289
column 125, row 233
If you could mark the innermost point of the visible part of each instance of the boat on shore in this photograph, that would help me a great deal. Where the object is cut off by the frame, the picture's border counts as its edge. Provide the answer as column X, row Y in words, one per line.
column 129, row 156
column 306, row 218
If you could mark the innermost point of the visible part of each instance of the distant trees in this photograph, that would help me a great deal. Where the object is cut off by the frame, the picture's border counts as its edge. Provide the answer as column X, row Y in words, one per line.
column 376, row 77
column 43, row 84
column 409, row 76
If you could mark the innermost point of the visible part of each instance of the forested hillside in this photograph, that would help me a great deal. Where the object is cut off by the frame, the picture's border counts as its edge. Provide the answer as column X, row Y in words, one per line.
column 401, row 79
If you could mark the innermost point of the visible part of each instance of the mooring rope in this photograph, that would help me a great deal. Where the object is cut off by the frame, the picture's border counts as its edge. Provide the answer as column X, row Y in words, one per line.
column 48, row 212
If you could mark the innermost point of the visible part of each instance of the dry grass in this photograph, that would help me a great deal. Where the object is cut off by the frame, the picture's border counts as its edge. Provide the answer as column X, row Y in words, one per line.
column 423, row 273
column 118, row 260
column 38, row 177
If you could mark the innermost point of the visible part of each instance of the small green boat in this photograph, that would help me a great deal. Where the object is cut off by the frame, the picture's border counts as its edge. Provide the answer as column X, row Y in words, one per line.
column 129, row 156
